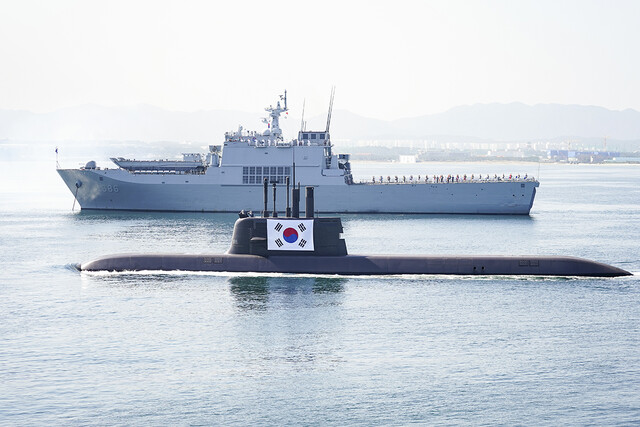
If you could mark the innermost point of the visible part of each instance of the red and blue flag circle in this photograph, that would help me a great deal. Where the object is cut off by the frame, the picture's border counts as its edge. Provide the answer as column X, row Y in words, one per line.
column 290, row 235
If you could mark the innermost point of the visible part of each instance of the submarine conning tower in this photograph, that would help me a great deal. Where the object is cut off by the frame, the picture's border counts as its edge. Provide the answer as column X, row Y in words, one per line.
column 288, row 235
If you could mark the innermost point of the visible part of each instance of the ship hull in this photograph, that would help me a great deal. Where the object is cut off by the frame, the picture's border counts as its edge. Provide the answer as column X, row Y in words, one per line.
column 116, row 189
column 360, row 264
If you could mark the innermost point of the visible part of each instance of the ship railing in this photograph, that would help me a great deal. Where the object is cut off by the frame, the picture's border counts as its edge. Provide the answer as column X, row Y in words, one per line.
column 264, row 142
column 270, row 142
column 308, row 142
column 415, row 181
column 166, row 172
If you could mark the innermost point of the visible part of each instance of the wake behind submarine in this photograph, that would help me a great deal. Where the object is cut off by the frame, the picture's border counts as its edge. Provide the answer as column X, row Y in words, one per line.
column 311, row 245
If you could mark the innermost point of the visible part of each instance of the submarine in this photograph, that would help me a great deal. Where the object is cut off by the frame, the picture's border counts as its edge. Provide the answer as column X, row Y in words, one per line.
column 314, row 245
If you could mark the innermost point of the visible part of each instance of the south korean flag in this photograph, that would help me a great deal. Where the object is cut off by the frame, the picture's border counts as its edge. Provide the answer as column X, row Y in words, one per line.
column 289, row 234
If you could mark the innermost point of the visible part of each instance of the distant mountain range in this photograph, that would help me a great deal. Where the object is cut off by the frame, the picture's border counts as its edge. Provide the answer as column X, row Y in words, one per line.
column 499, row 122
column 492, row 122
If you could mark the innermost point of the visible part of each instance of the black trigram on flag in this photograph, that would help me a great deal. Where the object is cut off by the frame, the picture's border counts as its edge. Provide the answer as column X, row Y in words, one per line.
column 301, row 227
column 278, row 227
column 279, row 242
column 302, row 242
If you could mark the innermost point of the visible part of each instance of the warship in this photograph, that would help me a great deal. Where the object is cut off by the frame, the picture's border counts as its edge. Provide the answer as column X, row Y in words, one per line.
column 313, row 245
column 228, row 178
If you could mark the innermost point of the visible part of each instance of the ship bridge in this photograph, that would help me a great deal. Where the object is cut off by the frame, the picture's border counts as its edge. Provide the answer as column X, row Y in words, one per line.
column 314, row 138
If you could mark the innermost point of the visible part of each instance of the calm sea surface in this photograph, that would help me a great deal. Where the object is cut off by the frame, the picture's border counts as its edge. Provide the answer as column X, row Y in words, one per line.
column 162, row 349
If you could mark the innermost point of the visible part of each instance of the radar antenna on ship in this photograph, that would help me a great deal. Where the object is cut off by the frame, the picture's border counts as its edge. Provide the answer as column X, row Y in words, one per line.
column 274, row 113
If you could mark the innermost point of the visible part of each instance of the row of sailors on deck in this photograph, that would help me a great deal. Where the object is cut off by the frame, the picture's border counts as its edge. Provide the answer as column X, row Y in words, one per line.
column 450, row 178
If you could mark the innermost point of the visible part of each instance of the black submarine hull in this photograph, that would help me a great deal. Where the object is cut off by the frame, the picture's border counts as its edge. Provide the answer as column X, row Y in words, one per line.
column 360, row 264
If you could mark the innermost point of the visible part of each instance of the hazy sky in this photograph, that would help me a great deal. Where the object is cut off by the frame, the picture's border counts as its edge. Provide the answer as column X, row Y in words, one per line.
column 388, row 59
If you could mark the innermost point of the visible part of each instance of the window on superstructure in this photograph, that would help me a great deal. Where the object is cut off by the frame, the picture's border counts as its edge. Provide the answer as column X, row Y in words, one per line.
column 313, row 136
column 256, row 174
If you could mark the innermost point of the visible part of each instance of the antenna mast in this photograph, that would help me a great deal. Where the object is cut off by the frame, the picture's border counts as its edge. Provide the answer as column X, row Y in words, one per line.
column 302, row 121
column 274, row 113
column 333, row 91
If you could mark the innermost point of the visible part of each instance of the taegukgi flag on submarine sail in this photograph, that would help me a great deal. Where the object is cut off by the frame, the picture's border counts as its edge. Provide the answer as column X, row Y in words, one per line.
column 289, row 234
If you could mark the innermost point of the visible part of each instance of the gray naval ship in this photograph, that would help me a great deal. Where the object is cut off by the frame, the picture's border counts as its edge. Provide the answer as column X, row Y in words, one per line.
column 314, row 245
column 229, row 178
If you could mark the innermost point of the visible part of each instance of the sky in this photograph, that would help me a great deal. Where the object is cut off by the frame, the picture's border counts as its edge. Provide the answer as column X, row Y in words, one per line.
column 387, row 59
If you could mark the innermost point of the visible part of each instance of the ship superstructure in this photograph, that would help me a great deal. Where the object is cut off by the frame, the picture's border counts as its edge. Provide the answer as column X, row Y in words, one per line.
column 229, row 179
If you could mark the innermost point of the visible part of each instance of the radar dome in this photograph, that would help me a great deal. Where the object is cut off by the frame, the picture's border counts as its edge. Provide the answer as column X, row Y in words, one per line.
column 90, row 165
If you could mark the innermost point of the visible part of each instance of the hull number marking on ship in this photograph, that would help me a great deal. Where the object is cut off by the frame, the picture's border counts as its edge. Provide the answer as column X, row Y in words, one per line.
column 109, row 188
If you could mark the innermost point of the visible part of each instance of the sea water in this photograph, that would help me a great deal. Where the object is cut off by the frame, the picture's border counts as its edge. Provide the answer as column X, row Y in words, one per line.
column 194, row 348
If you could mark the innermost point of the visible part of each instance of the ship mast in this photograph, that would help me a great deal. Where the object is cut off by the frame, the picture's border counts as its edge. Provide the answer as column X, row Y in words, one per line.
column 333, row 92
column 274, row 113
column 302, row 123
